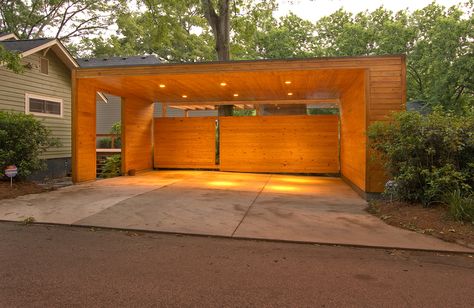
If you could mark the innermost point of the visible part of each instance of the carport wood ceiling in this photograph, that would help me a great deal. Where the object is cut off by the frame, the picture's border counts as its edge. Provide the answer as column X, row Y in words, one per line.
column 311, row 86
column 254, row 82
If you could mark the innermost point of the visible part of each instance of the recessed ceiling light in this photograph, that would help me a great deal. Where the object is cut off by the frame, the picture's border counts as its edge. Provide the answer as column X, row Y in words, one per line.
column 236, row 94
column 162, row 86
column 290, row 94
column 288, row 82
column 223, row 84
column 184, row 96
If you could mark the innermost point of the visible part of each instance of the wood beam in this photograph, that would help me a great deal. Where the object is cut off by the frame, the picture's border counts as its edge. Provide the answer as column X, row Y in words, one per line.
column 257, row 102
column 179, row 107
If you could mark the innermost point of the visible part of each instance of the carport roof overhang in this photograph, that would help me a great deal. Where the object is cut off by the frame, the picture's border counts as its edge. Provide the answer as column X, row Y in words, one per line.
column 294, row 81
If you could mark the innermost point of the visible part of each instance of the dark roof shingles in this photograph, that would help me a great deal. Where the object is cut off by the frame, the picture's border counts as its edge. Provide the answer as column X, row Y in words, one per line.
column 24, row 45
column 118, row 61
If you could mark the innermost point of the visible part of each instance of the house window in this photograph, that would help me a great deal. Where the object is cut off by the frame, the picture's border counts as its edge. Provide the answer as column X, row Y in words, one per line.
column 44, row 66
column 44, row 106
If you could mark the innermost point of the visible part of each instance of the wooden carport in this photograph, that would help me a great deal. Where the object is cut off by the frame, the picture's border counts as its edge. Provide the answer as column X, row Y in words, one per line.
column 367, row 89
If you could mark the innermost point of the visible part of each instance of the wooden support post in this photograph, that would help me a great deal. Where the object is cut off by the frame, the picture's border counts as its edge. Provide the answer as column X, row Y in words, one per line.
column 137, row 120
column 186, row 113
column 164, row 110
column 258, row 109
column 83, row 130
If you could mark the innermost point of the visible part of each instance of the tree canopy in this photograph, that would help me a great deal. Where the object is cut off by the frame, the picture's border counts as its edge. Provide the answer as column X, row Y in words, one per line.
column 437, row 40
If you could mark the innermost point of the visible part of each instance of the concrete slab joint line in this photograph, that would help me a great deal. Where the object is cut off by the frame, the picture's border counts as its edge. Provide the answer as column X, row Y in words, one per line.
column 277, row 207
column 251, row 204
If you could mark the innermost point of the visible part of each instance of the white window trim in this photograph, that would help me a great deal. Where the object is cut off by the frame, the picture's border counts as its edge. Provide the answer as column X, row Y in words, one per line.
column 47, row 98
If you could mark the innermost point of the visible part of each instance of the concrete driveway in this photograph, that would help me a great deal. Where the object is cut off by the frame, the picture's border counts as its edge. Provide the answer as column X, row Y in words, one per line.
column 242, row 205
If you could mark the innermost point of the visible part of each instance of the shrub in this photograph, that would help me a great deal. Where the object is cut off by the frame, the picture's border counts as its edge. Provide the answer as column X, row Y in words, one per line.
column 117, row 131
column 460, row 207
column 23, row 139
column 105, row 143
column 112, row 166
column 426, row 156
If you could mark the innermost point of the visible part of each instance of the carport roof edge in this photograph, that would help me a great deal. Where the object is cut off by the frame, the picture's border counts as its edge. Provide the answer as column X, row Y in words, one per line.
column 232, row 65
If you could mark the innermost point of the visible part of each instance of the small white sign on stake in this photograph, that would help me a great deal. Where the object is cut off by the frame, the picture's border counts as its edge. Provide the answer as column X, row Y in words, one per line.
column 11, row 172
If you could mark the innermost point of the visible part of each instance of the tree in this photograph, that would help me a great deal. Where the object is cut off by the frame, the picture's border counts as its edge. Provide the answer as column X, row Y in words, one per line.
column 62, row 19
column 175, row 31
column 11, row 60
column 290, row 37
column 438, row 42
column 219, row 21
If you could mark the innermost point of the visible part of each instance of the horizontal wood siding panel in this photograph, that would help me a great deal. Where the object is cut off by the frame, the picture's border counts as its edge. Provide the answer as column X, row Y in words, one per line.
column 293, row 144
column 185, row 143
column 56, row 84
column 387, row 95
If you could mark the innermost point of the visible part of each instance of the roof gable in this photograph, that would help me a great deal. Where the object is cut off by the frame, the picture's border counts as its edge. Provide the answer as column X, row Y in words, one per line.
column 23, row 45
column 28, row 47
column 7, row 36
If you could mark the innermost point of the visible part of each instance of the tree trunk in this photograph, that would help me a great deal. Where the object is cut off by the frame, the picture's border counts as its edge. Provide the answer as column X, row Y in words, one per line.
column 220, row 25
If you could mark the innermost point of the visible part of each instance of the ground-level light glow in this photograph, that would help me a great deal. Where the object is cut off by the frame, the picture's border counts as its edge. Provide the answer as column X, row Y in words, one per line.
column 282, row 187
column 222, row 183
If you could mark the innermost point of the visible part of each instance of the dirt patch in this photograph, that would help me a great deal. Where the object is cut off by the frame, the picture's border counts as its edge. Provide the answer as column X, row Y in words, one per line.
column 431, row 221
column 19, row 189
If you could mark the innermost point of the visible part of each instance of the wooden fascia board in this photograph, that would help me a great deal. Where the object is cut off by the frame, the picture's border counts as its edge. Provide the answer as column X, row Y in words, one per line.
column 8, row 36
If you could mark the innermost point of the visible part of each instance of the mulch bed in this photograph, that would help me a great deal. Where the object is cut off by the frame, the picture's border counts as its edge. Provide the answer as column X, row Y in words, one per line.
column 19, row 189
column 432, row 221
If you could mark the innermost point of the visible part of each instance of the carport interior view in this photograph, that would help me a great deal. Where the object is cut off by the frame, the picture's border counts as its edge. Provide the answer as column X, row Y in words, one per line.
column 281, row 138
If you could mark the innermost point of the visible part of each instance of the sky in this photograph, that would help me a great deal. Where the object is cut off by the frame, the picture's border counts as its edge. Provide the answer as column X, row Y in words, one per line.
column 315, row 9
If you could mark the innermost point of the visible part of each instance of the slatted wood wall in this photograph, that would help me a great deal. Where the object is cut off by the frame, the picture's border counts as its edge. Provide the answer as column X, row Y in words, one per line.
column 386, row 93
column 299, row 144
column 185, row 143
column 353, row 133
column 137, row 146
column 83, row 141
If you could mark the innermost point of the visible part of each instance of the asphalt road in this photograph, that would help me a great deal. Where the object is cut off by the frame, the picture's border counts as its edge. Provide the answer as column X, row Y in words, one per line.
column 52, row 266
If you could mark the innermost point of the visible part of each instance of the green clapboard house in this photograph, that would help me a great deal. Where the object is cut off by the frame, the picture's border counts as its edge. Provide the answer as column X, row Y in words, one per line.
column 43, row 90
